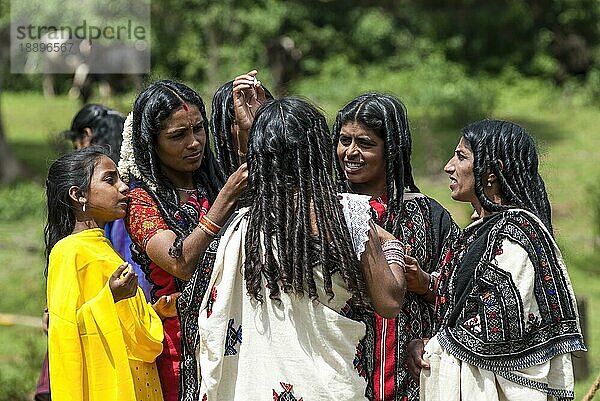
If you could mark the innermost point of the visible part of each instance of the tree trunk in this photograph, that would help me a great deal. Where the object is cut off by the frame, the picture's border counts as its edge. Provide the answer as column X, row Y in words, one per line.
column 10, row 168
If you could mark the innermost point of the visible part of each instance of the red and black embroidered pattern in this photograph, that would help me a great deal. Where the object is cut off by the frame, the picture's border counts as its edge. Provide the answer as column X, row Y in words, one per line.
column 286, row 394
column 211, row 300
column 484, row 323
column 359, row 361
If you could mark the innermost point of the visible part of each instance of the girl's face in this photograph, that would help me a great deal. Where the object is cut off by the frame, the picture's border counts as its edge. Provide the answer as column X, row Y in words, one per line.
column 107, row 196
column 460, row 171
column 360, row 152
column 180, row 143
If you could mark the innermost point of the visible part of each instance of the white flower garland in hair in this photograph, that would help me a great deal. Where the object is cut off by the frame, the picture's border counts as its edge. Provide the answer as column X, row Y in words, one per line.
column 126, row 157
column 127, row 166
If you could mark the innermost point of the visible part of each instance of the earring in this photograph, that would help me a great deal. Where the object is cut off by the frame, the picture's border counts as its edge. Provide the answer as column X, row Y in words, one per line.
column 489, row 184
column 83, row 208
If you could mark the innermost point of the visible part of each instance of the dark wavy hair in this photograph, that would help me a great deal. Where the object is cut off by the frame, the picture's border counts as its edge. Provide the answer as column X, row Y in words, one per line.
column 151, row 108
column 386, row 115
column 290, row 163
column 494, row 141
column 73, row 169
column 106, row 125
column 222, row 118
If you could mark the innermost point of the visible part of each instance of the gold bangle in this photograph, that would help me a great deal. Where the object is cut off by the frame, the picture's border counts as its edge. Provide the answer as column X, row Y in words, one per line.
column 207, row 230
column 211, row 225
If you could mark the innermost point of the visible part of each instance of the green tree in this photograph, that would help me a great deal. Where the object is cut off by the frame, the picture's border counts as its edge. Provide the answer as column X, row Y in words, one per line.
column 10, row 168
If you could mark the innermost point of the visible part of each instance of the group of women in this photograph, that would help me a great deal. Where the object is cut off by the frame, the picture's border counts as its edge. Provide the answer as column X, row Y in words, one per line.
column 297, row 283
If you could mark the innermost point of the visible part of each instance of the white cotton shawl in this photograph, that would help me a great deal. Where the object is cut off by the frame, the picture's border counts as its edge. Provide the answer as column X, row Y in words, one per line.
column 293, row 349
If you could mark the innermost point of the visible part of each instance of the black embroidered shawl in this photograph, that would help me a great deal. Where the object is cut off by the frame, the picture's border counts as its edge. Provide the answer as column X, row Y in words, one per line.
column 479, row 309
column 188, row 307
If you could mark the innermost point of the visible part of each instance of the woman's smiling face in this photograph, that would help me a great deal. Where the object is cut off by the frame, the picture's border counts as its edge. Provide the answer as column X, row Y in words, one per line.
column 361, row 154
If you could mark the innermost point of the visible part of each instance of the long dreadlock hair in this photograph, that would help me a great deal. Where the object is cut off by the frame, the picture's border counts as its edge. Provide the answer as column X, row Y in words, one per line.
column 151, row 108
column 386, row 115
column 507, row 150
column 222, row 118
column 290, row 163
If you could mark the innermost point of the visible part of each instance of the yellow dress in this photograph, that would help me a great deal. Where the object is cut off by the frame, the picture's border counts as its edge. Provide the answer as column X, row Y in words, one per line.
column 98, row 350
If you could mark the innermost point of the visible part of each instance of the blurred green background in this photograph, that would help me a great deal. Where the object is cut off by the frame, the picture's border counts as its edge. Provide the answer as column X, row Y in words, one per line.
column 451, row 62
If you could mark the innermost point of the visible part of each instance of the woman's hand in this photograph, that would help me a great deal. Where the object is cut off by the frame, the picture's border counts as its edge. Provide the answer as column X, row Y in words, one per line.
column 415, row 358
column 123, row 287
column 166, row 306
column 248, row 96
column 417, row 280
column 228, row 196
column 236, row 183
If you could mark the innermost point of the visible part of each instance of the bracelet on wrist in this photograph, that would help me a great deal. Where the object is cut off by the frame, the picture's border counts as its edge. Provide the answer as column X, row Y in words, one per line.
column 391, row 243
column 207, row 230
column 393, row 252
column 211, row 225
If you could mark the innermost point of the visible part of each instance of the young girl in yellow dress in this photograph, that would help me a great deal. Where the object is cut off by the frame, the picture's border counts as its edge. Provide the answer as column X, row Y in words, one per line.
column 103, row 337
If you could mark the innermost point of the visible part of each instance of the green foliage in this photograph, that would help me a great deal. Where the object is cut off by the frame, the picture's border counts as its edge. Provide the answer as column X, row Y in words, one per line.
column 4, row 13
column 21, row 200
column 207, row 42
column 373, row 35
column 440, row 90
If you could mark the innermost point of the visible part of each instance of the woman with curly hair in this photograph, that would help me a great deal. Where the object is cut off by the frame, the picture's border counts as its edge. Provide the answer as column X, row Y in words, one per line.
column 507, row 320
column 276, row 322
column 233, row 107
column 179, row 202
column 230, row 128
column 373, row 151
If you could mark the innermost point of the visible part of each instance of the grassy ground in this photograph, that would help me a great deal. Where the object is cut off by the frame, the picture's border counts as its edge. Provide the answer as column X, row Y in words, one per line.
column 23, row 289
column 570, row 165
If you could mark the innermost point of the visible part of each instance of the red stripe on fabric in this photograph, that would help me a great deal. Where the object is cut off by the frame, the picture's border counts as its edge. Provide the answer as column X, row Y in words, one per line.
column 385, row 337
column 385, row 358
column 390, row 360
